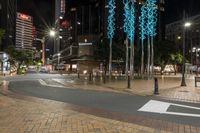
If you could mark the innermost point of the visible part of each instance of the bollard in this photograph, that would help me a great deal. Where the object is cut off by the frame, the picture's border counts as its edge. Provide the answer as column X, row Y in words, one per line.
column 78, row 75
column 156, row 86
column 90, row 77
column 104, row 78
column 129, row 82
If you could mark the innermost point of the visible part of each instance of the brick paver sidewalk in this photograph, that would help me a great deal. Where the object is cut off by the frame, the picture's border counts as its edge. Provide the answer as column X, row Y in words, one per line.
column 169, row 88
column 46, row 116
column 23, row 114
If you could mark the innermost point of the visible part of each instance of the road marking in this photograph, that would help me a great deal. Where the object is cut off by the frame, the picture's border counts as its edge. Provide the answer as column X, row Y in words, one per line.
column 42, row 82
column 154, row 106
column 67, row 80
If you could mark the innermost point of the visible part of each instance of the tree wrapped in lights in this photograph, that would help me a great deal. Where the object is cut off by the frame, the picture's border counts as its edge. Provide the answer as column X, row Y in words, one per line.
column 111, row 29
column 131, row 35
column 151, row 32
column 126, row 30
column 142, row 21
column 129, row 29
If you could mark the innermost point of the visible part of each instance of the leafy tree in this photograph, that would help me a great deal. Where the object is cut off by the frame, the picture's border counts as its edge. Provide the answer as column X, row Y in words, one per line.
column 19, row 56
column 101, row 50
column 163, row 52
column 175, row 59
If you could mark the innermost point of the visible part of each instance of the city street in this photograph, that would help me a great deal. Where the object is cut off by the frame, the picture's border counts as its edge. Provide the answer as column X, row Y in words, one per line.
column 122, row 104
column 99, row 66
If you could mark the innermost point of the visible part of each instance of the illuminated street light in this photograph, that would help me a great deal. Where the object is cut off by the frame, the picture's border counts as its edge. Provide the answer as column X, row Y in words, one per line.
column 79, row 23
column 58, row 58
column 187, row 24
column 179, row 37
column 52, row 33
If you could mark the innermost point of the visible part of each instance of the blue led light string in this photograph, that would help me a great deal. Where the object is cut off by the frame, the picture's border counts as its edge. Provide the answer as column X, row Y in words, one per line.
column 131, row 35
column 126, row 15
column 111, row 29
column 126, row 29
column 142, row 21
column 142, row 27
column 151, row 32
column 111, row 19
column 129, row 29
column 152, row 18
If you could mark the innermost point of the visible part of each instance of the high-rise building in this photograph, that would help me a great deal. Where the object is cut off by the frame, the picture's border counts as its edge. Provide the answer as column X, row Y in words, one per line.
column 59, row 15
column 161, row 19
column 174, row 32
column 7, row 22
column 24, row 31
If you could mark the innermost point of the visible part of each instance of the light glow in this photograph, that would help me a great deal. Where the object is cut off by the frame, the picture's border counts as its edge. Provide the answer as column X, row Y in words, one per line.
column 111, row 19
column 52, row 33
column 187, row 24
column 129, row 19
column 151, row 17
column 142, row 21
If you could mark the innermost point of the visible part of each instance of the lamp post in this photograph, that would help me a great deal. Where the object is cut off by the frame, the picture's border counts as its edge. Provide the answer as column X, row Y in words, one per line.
column 52, row 33
column 186, row 25
column 58, row 58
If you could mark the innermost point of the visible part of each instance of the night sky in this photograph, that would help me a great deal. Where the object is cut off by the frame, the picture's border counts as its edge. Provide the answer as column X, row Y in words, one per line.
column 174, row 9
column 42, row 9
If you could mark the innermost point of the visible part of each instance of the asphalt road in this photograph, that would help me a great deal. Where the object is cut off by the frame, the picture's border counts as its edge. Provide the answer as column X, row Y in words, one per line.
column 122, row 103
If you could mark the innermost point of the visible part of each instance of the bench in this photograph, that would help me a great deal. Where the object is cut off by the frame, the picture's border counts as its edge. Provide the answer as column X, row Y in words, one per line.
column 197, row 79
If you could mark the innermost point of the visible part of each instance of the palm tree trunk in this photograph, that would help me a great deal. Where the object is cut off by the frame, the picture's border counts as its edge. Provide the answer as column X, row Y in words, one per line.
column 127, row 57
column 132, row 60
column 152, row 58
column 110, row 60
column 142, row 58
column 148, row 60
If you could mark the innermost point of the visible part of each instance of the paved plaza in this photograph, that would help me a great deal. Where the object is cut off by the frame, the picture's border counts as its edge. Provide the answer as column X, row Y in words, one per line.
column 169, row 87
column 26, row 114
column 21, row 114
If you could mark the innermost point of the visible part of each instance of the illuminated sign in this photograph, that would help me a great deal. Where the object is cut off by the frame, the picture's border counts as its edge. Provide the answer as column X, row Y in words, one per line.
column 65, row 24
column 24, row 17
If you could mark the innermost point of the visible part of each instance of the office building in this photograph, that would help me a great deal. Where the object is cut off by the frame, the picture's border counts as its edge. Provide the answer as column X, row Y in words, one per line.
column 174, row 32
column 24, row 31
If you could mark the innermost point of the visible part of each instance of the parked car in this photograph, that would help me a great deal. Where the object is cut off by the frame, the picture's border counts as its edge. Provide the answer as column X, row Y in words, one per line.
column 43, row 70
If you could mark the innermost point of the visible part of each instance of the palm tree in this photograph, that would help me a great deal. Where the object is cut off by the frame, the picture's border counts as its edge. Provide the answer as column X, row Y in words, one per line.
column 111, row 28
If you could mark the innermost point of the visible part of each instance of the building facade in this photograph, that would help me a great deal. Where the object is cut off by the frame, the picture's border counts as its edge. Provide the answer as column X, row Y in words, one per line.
column 174, row 32
column 24, row 31
column 7, row 22
column 89, row 18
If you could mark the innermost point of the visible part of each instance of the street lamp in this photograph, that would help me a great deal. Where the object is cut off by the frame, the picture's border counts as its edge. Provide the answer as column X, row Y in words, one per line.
column 52, row 33
column 58, row 58
column 186, row 25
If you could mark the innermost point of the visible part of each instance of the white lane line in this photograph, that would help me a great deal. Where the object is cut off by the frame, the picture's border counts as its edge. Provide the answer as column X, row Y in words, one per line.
column 160, row 107
column 42, row 82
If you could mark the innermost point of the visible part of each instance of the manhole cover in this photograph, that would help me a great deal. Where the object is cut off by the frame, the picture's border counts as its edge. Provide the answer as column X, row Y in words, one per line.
column 184, row 91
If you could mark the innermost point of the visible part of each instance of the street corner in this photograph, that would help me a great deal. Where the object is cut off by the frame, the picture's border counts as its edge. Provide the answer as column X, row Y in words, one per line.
column 42, row 115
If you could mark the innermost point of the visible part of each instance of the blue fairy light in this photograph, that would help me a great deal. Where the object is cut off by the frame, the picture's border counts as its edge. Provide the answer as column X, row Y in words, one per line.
column 111, row 19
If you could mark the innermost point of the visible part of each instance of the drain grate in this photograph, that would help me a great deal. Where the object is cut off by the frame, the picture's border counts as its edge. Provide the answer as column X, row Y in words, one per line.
column 184, row 91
